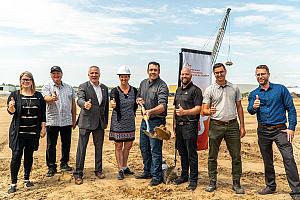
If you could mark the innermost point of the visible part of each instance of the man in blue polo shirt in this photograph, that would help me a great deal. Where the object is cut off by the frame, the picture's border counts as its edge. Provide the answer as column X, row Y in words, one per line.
column 270, row 102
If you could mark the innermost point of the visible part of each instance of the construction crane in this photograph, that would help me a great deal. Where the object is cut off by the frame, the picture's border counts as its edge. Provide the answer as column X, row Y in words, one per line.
column 219, row 40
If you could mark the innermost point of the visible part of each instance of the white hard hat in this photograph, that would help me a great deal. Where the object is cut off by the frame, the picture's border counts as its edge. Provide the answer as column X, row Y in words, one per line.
column 123, row 70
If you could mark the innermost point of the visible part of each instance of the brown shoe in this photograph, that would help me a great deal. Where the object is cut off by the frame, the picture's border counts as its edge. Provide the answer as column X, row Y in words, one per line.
column 78, row 181
column 267, row 190
column 100, row 175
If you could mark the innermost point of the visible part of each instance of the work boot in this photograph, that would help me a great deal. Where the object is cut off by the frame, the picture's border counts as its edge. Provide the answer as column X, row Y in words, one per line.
column 267, row 190
column 236, row 186
column 212, row 186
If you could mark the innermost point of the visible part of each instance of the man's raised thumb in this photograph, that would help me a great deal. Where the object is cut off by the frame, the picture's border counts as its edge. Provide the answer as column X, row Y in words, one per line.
column 257, row 98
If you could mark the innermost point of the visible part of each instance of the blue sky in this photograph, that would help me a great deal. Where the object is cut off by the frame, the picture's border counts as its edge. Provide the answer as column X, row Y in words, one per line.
column 37, row 34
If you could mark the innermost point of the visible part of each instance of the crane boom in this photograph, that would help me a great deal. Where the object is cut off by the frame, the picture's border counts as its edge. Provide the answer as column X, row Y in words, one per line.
column 219, row 38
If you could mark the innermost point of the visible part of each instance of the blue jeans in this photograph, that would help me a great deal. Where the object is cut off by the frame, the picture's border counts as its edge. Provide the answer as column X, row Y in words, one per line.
column 151, row 150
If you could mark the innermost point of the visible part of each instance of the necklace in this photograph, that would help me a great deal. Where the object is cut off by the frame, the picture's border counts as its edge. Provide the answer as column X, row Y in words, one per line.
column 28, row 105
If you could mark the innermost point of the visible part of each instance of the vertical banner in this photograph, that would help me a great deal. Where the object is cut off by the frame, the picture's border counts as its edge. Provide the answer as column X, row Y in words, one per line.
column 200, row 65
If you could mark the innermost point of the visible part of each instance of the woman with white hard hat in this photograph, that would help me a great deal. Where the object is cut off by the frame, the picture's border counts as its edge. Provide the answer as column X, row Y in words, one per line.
column 122, row 128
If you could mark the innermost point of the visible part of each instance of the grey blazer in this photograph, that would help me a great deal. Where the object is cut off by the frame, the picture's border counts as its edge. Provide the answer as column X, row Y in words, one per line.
column 90, row 119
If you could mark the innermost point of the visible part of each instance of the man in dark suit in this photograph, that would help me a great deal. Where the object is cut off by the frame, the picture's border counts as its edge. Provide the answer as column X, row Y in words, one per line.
column 93, row 118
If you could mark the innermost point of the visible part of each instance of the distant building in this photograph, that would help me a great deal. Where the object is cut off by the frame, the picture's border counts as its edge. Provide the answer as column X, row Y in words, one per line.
column 6, row 89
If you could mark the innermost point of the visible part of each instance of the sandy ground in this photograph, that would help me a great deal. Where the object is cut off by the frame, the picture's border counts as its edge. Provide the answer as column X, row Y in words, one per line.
column 62, row 186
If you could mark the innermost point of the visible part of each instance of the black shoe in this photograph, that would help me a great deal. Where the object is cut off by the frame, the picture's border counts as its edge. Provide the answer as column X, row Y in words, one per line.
column 192, row 186
column 267, row 190
column 236, row 186
column 143, row 176
column 120, row 175
column 128, row 172
column 154, row 182
column 12, row 189
column 211, row 187
column 51, row 172
column 65, row 168
column 28, row 184
column 180, row 180
column 295, row 196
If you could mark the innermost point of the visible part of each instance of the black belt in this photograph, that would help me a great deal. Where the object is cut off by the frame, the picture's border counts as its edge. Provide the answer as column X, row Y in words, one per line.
column 271, row 127
column 185, row 123
column 224, row 123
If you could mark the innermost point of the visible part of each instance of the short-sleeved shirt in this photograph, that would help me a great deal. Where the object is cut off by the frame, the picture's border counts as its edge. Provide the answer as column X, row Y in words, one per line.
column 224, row 98
column 188, row 98
column 154, row 93
column 59, row 113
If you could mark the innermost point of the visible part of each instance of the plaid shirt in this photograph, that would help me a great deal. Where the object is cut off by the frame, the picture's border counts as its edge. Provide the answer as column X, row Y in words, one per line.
column 59, row 113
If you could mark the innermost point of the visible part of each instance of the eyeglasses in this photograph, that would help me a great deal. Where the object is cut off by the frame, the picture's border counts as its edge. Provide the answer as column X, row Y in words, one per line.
column 261, row 74
column 26, row 79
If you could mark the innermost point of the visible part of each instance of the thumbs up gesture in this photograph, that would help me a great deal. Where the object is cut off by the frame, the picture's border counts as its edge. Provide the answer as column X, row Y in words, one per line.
column 88, row 104
column 256, row 102
column 113, row 103
column 180, row 111
column 11, row 105
column 54, row 96
column 213, row 109
column 11, row 102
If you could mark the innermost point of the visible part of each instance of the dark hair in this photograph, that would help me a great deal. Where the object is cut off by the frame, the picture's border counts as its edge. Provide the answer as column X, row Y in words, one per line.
column 263, row 67
column 153, row 63
column 217, row 65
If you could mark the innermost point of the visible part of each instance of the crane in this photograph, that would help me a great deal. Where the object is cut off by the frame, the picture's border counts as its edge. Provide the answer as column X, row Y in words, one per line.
column 219, row 39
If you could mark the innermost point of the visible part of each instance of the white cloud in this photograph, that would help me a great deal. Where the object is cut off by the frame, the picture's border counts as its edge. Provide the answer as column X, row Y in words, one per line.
column 263, row 8
column 54, row 19
column 251, row 20
column 208, row 11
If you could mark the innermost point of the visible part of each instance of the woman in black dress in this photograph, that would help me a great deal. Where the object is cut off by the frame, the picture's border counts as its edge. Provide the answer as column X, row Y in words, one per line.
column 122, row 128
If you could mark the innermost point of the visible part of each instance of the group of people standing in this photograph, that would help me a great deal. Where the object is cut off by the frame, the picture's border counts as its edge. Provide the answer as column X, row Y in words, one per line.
column 54, row 112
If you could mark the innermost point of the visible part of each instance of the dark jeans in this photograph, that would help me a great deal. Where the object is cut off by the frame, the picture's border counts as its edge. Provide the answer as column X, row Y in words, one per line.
column 98, row 138
column 65, row 136
column 151, row 150
column 265, row 141
column 25, row 143
column 186, row 142
column 231, row 134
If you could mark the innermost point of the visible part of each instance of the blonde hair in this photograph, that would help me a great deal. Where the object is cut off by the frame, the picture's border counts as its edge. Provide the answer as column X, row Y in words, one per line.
column 28, row 74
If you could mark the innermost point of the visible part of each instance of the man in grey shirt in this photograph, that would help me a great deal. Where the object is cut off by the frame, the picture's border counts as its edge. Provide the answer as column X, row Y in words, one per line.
column 153, row 94
column 61, row 117
column 222, row 101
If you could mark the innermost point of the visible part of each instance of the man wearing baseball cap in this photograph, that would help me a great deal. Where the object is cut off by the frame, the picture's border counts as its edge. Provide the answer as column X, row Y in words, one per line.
column 60, row 118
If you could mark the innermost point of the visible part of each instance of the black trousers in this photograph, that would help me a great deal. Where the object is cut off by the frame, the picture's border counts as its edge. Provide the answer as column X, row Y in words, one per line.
column 26, row 144
column 98, row 138
column 65, row 136
column 266, row 137
column 186, row 142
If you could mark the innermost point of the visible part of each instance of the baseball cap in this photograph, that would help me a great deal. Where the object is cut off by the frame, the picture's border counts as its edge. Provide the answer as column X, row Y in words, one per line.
column 55, row 68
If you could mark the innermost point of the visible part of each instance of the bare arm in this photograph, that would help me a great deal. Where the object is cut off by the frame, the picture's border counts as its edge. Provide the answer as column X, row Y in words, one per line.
column 156, row 110
column 240, row 112
column 206, row 109
column 192, row 111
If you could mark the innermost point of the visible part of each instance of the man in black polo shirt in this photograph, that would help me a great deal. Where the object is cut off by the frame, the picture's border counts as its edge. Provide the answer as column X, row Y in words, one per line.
column 188, row 101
